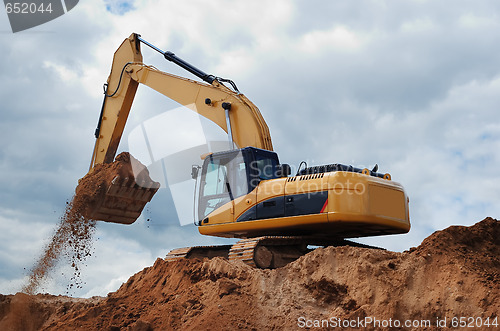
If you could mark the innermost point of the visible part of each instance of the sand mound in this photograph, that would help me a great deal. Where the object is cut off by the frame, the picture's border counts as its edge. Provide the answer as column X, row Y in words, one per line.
column 452, row 274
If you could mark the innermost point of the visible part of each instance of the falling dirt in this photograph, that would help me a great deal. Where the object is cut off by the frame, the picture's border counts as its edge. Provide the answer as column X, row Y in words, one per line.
column 451, row 278
column 72, row 241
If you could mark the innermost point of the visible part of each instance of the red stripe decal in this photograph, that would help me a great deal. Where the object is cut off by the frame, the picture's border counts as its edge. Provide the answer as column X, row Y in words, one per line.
column 324, row 206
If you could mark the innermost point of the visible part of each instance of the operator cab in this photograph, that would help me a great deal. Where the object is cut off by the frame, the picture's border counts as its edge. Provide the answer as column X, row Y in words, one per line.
column 228, row 175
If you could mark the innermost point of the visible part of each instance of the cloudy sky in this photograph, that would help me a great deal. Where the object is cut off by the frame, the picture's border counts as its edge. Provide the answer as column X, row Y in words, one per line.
column 411, row 85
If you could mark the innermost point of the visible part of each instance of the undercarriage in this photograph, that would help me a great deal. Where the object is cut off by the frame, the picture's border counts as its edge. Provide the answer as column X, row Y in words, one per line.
column 269, row 252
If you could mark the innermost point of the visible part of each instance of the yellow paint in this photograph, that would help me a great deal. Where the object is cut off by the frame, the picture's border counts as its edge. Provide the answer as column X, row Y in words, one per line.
column 358, row 205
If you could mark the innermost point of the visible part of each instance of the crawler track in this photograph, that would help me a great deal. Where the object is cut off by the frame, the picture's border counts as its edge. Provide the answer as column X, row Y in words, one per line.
column 267, row 252
column 198, row 252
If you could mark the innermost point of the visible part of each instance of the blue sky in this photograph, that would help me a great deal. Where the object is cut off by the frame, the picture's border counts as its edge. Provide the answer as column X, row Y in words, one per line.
column 119, row 7
column 411, row 85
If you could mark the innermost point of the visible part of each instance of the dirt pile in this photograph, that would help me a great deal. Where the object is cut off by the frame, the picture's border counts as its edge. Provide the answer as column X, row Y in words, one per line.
column 32, row 312
column 73, row 238
column 453, row 274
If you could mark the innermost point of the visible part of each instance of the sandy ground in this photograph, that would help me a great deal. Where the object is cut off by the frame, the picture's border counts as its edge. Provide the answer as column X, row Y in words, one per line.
column 451, row 279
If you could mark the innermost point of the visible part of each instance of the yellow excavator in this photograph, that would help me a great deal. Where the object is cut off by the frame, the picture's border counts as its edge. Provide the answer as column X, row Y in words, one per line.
column 245, row 192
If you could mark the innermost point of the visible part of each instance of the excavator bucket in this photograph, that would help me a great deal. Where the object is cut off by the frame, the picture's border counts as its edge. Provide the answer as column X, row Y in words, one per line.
column 124, row 201
column 116, row 192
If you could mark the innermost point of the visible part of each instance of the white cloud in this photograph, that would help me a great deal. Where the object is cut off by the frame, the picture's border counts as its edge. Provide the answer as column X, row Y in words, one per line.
column 474, row 21
column 418, row 25
column 65, row 73
column 338, row 38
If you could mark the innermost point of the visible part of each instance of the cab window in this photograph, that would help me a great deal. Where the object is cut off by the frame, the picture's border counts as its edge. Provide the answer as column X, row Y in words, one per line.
column 223, row 179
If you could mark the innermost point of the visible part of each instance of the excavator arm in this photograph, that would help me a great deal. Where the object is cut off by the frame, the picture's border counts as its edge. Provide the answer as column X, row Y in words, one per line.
column 229, row 109
column 226, row 107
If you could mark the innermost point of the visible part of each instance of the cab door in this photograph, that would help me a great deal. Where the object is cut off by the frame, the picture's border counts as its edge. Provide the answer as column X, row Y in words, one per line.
column 244, row 194
column 271, row 188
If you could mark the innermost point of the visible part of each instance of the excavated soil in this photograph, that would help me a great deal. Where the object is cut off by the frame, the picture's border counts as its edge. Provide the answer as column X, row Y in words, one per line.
column 73, row 238
column 92, row 188
column 453, row 274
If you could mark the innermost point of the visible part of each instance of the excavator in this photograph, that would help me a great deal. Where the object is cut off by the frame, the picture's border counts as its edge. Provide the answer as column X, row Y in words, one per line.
column 244, row 192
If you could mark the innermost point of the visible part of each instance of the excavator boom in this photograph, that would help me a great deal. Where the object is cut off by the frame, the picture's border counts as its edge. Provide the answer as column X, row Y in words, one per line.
column 227, row 108
column 128, row 71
